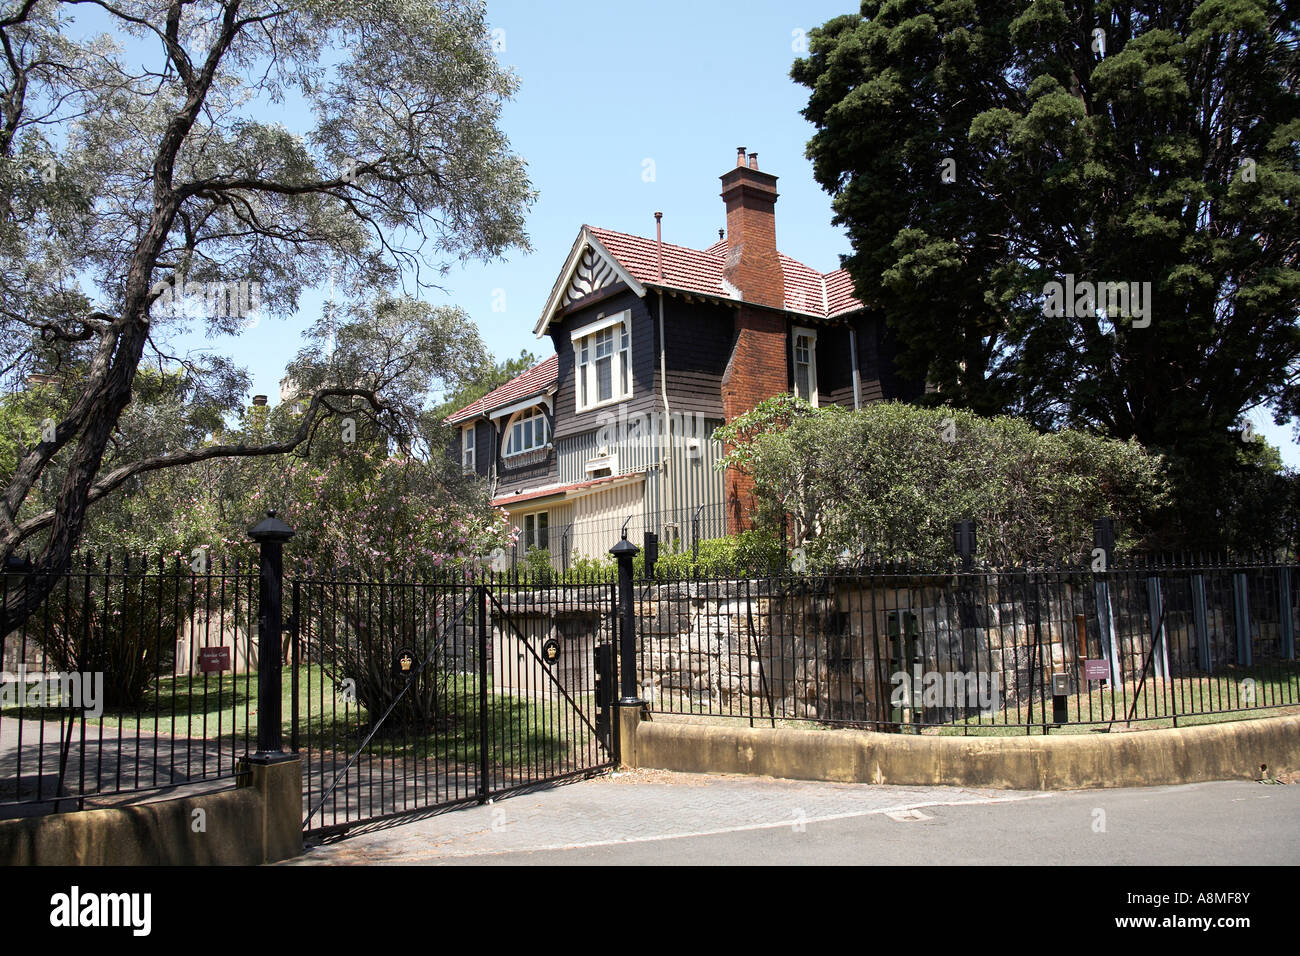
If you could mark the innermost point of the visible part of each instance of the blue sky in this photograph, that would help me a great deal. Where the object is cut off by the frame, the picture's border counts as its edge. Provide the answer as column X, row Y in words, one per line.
column 624, row 109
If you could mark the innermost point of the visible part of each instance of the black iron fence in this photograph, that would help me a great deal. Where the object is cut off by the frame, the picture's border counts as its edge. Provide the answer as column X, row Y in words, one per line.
column 135, row 674
column 907, row 649
column 563, row 539
column 145, row 676
column 422, row 693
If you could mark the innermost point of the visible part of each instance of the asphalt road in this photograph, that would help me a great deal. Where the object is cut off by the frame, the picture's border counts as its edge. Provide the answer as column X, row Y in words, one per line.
column 656, row 818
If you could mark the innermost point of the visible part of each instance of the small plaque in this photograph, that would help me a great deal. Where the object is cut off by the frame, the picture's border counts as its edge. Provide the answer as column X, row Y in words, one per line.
column 214, row 659
column 1096, row 669
column 551, row 650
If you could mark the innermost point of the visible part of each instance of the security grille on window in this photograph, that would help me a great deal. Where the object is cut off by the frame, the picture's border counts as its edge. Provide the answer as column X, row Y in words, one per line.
column 604, row 361
column 527, row 432
column 535, row 531
column 467, row 449
column 805, row 365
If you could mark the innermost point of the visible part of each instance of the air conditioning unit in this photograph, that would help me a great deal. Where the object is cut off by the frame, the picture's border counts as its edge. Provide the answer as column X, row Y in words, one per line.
column 602, row 451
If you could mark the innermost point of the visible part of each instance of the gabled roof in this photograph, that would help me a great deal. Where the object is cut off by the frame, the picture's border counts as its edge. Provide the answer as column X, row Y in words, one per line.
column 635, row 260
column 534, row 381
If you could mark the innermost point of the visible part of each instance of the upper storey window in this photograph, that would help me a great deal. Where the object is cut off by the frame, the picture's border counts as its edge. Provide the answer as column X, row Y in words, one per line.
column 603, row 361
column 805, row 364
column 526, row 431
column 467, row 438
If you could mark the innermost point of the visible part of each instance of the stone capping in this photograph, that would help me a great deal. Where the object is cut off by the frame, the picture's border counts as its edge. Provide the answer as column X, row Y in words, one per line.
column 257, row 821
column 1254, row 749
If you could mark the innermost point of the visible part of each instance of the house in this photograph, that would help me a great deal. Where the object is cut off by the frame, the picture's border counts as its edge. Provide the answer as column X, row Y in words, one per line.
column 655, row 346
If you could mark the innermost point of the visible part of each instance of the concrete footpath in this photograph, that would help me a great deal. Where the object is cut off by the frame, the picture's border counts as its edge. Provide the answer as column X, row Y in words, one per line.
column 657, row 817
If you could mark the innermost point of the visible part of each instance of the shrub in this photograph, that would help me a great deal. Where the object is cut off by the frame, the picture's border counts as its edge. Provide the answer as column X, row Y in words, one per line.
column 890, row 480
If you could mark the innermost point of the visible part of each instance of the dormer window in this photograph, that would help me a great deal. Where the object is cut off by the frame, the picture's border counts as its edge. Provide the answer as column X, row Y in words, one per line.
column 526, row 431
column 603, row 361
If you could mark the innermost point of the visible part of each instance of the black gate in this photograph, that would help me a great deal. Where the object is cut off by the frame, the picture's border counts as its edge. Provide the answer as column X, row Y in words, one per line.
column 412, row 695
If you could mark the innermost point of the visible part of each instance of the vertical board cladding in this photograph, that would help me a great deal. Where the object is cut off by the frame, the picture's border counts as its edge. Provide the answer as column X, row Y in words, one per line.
column 559, row 531
column 559, row 525
column 637, row 441
column 632, row 436
column 599, row 516
column 692, row 479
column 644, row 361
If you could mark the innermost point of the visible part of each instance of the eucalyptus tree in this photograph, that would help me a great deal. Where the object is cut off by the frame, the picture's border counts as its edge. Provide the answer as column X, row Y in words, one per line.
column 147, row 185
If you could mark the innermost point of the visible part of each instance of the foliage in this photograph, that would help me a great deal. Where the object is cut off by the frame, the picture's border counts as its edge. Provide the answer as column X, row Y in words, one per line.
column 119, row 621
column 752, row 551
column 977, row 151
column 537, row 565
column 143, row 191
column 890, row 480
column 483, row 378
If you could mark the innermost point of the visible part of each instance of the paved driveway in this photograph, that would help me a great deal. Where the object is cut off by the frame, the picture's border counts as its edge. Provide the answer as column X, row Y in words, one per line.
column 657, row 817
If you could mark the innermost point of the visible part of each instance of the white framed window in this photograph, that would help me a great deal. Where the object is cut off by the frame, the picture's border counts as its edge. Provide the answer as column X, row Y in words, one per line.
column 526, row 431
column 603, row 361
column 536, row 532
column 804, row 359
column 467, row 439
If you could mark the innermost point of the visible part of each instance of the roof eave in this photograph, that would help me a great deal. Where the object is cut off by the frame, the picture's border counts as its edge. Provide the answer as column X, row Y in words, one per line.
column 585, row 237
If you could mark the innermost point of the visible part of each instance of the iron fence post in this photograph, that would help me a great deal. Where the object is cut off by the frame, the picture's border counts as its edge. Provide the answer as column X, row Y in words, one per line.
column 484, row 784
column 293, row 670
column 270, row 534
column 623, row 553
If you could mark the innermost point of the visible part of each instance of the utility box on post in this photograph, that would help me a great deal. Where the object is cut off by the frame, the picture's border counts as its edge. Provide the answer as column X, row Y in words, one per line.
column 1060, row 699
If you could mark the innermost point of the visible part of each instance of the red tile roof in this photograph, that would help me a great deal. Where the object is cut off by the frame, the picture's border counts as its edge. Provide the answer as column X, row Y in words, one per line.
column 823, row 294
column 532, row 382
column 531, row 495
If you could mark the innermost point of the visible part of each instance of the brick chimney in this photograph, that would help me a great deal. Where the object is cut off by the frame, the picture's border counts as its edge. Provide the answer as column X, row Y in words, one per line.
column 759, row 364
column 752, row 266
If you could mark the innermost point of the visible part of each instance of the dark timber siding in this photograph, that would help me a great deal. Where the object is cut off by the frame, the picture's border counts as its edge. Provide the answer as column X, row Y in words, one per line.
column 484, row 447
column 834, row 364
column 644, row 359
column 699, row 338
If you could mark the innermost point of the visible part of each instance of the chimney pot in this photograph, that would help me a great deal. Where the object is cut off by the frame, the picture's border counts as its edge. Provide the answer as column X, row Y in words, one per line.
column 740, row 156
column 750, row 197
column 259, row 399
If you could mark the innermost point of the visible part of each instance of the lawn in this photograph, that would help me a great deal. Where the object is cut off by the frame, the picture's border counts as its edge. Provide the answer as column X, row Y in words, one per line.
column 522, row 729
column 1205, row 699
